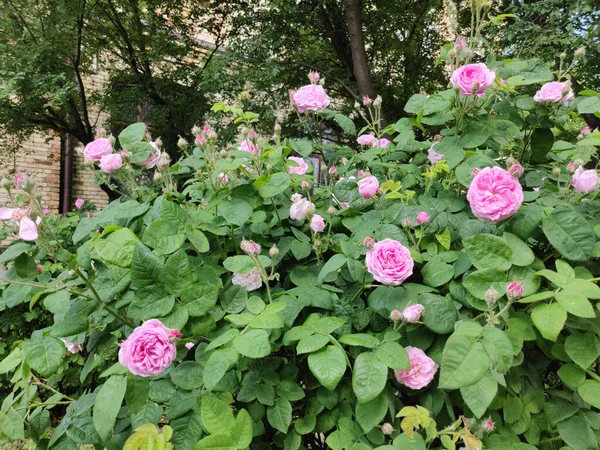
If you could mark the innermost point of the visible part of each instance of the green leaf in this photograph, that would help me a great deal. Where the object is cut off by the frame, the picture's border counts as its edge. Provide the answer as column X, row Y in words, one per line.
column 223, row 339
column 577, row 433
column 26, row 266
column 475, row 134
column 203, row 294
column 132, row 134
column 478, row 282
column 439, row 314
column 589, row 391
column 12, row 251
column 45, row 354
column 589, row 105
column 571, row 234
column 369, row 377
column 118, row 247
column 333, row 264
column 571, row 375
column 137, row 391
column 11, row 361
column 328, row 365
column 393, row 355
column 499, row 348
column 302, row 147
column 242, row 430
column 522, row 255
column 586, row 288
column 478, row 396
column 369, row 415
column 107, row 405
column 309, row 344
column 236, row 211
column 217, row 365
column 541, row 141
column 360, row 340
column 272, row 185
column 549, row 319
column 239, row 264
column 145, row 267
column 216, row 442
column 513, row 409
column 464, row 362
column 12, row 424
column 150, row 303
column 74, row 324
column 280, row 415
column 346, row 123
column 177, row 275
column 306, row 424
column 583, row 349
column 575, row 303
column 198, row 240
column 164, row 237
column 437, row 272
column 187, row 375
column 253, row 344
column 217, row 416
column 487, row 251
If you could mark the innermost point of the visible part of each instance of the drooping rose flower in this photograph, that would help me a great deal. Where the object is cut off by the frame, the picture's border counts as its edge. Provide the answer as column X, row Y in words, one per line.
column 367, row 187
column 389, row 262
column 413, row 313
column 366, row 139
column 300, row 169
column 473, row 79
column 311, row 97
column 555, row 92
column 110, row 163
column 382, row 143
column 422, row 369
column 71, row 347
column 433, row 156
column 494, row 194
column 96, row 149
column 149, row 349
column 249, row 281
column 585, row 181
column 27, row 227
column 317, row 224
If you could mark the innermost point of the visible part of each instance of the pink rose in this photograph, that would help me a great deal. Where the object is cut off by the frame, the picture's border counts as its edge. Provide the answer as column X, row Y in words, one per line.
column 300, row 169
column 110, row 163
column 305, row 185
column 200, row 140
column 151, row 161
column 313, row 76
column 249, row 281
column 586, row 130
column 389, row 262
column 72, row 348
column 45, row 211
column 311, row 97
column 422, row 369
column 366, row 139
column 514, row 290
column 317, row 224
column 248, row 146
column 494, row 194
column 433, row 156
column 149, row 349
column 413, row 313
column 189, row 345
column 382, row 143
column 79, row 203
column 300, row 209
column 554, row 92
column 585, row 181
column 473, row 79
column 332, row 171
column 96, row 149
column 422, row 218
column 367, row 187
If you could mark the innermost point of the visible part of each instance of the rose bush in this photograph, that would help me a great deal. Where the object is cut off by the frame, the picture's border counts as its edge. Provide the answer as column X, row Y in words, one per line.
column 412, row 299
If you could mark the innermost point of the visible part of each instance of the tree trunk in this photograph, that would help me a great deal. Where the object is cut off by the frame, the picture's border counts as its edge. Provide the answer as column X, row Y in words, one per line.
column 362, row 72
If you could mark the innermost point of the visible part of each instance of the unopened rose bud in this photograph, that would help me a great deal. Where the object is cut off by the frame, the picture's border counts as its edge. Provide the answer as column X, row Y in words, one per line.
column 305, row 185
column 175, row 334
column 395, row 315
column 412, row 313
column 196, row 130
column 366, row 100
column 323, row 168
column 112, row 140
column 361, row 173
column 332, row 170
column 157, row 176
column 269, row 167
column 331, row 211
column 377, row 101
column 311, row 210
column 189, row 345
column 422, row 218
column 516, row 170
column 317, row 242
column 474, row 172
column 563, row 55
column 387, row 429
column 369, row 242
column 159, row 143
column 277, row 128
column 313, row 77
column 571, row 167
column 356, row 105
column 437, row 137
column 579, row 53
column 578, row 162
column 491, row 296
column 556, row 171
column 101, row 132
column 5, row 183
column 514, row 290
column 344, row 161
column 488, row 425
column 182, row 143
column 273, row 251
column 406, row 223
column 223, row 153
column 510, row 161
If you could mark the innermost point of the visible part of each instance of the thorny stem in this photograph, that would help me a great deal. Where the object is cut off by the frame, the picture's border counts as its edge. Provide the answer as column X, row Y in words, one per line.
column 41, row 383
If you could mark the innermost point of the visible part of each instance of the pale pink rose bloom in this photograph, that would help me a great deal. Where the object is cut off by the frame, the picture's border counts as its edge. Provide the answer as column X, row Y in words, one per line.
column 366, row 100
column 300, row 209
column 422, row 218
column 189, row 345
column 433, row 156
column 223, row 178
column 366, row 139
column 367, row 187
column 555, row 92
column 79, row 203
column 473, row 79
column 317, row 224
column 382, row 143
column 361, row 173
column 395, row 315
column 387, row 429
column 422, row 369
column 250, row 247
column 311, row 97
column 585, row 130
column 250, row 281
column 45, row 211
column 494, row 194
column 248, row 146
column 368, row 242
column 72, row 348
column 389, row 262
column 514, row 290
column 97, row 149
column 413, row 313
column 149, row 349
column 300, row 169
column 200, row 140
column 585, row 181
column 296, row 197
column 571, row 167
column 27, row 227
column 110, row 163
column 153, row 159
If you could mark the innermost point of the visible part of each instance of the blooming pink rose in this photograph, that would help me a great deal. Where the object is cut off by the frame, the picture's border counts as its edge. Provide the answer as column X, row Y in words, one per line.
column 248, row 146
column 110, row 163
column 149, row 349
column 473, row 79
column 413, row 313
column 514, row 290
column 317, row 224
column 72, row 348
column 422, row 218
column 97, row 149
column 311, row 97
column 494, row 194
column 249, row 281
column 382, row 143
column 79, row 203
column 300, row 209
column 433, row 156
column 366, row 139
column 516, row 170
column 422, row 369
column 367, row 187
column 189, row 345
column 389, row 262
column 153, row 159
column 554, row 92
column 301, row 168
column 585, row 181
column 27, row 227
